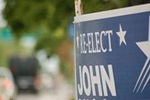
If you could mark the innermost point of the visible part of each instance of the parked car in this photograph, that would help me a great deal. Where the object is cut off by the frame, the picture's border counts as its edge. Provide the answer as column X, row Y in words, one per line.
column 26, row 72
column 7, row 85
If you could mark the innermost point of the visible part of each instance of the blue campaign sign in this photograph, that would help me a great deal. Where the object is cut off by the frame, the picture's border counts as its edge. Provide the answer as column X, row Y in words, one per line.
column 113, row 54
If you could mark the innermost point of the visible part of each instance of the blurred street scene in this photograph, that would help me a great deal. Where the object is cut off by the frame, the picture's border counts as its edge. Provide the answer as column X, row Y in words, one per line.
column 37, row 47
column 63, row 91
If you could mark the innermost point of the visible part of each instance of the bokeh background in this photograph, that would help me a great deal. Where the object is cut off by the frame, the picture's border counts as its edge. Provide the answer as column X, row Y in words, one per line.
column 44, row 29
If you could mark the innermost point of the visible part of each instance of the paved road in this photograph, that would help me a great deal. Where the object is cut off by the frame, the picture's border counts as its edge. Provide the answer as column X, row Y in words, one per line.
column 63, row 92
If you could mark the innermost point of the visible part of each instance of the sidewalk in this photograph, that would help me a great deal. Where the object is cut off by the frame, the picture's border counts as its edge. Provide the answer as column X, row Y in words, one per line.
column 62, row 92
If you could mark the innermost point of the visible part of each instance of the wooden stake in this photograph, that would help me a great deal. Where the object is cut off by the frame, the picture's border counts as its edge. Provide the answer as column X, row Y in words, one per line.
column 78, row 8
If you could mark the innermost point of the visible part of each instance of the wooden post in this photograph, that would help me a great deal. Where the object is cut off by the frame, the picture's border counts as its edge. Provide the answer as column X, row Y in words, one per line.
column 78, row 7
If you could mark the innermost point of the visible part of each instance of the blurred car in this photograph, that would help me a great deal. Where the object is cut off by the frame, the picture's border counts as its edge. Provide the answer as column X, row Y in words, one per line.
column 7, row 86
column 26, row 73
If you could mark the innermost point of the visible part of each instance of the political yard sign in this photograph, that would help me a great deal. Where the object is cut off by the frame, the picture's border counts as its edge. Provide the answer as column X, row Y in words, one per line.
column 112, row 52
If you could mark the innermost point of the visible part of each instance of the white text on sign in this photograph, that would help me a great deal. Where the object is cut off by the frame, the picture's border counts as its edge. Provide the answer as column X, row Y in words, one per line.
column 93, row 42
column 104, row 81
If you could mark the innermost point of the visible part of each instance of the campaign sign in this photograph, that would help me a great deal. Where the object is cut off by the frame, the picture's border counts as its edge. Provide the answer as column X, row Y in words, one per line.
column 112, row 52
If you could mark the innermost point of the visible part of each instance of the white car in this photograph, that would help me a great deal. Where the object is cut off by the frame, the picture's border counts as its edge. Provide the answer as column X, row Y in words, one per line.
column 7, row 86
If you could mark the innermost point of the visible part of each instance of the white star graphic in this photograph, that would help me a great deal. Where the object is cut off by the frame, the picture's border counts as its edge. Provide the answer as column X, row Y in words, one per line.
column 144, row 76
column 121, row 35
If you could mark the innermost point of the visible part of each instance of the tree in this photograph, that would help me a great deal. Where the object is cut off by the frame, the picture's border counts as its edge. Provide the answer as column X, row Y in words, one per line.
column 50, row 18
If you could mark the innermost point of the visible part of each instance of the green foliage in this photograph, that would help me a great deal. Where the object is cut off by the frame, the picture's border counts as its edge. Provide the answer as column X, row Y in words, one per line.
column 51, row 18
column 90, row 6
column 6, row 49
column 29, row 15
